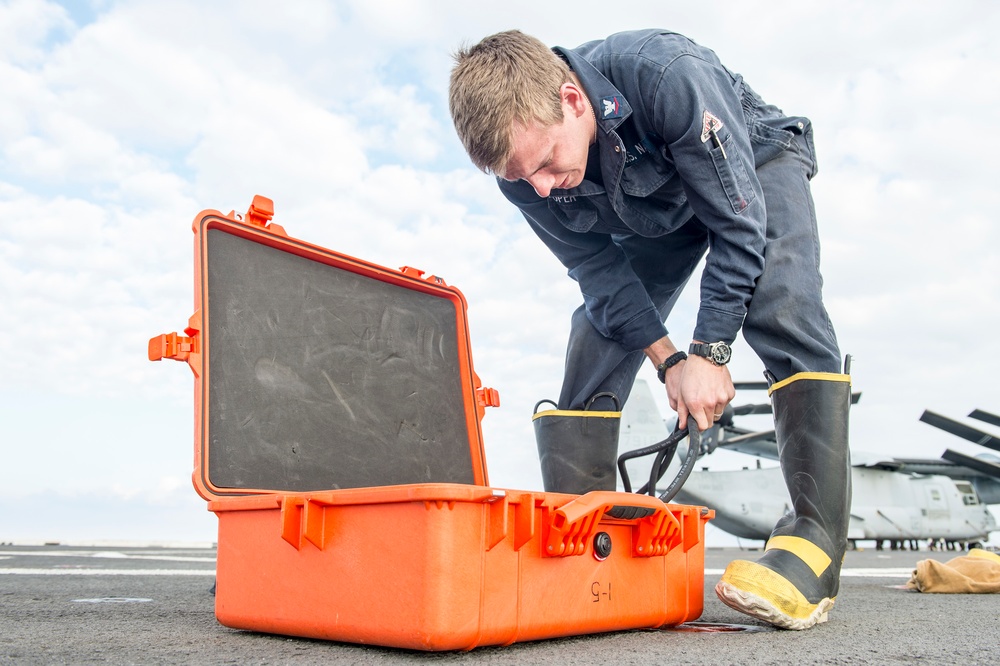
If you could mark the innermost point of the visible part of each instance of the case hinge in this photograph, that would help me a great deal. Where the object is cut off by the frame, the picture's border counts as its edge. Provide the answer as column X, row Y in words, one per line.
column 180, row 347
column 306, row 519
column 487, row 397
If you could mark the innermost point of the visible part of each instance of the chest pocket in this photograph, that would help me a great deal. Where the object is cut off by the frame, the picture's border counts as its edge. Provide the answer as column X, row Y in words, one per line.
column 646, row 167
column 654, row 178
column 733, row 175
column 654, row 201
column 589, row 213
column 645, row 176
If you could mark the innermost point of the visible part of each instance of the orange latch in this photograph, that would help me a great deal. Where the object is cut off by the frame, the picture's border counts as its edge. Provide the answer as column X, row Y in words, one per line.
column 180, row 347
column 260, row 213
column 655, row 535
column 487, row 397
column 410, row 271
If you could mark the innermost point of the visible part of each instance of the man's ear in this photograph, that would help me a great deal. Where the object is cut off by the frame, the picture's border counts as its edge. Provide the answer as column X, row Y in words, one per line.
column 573, row 97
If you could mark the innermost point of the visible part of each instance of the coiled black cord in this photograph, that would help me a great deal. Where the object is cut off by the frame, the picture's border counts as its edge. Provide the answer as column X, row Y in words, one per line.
column 665, row 451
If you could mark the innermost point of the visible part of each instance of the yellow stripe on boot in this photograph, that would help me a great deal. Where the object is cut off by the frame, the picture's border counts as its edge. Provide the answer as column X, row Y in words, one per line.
column 805, row 550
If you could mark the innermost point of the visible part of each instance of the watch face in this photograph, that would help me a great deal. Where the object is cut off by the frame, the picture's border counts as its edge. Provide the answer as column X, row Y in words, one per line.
column 721, row 353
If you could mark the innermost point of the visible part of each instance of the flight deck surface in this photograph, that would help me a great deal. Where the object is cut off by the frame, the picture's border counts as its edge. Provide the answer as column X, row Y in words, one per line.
column 152, row 605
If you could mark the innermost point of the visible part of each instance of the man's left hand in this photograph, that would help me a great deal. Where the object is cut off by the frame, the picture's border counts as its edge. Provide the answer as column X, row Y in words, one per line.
column 703, row 390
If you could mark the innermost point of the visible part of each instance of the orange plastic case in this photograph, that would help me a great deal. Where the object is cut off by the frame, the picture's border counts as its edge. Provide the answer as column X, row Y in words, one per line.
column 338, row 440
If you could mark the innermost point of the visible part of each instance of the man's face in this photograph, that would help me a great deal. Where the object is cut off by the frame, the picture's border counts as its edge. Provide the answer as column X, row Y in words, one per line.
column 553, row 157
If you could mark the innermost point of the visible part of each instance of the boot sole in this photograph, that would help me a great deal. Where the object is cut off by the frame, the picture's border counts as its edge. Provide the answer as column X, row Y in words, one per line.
column 763, row 609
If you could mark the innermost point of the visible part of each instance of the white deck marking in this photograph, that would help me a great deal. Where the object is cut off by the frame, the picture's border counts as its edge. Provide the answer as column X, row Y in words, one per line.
column 103, row 554
column 898, row 572
column 107, row 572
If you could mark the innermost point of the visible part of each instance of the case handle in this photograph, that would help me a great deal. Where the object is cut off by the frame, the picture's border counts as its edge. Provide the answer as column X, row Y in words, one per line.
column 573, row 525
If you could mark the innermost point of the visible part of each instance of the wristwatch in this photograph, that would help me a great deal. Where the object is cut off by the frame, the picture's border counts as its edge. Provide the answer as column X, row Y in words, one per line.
column 718, row 353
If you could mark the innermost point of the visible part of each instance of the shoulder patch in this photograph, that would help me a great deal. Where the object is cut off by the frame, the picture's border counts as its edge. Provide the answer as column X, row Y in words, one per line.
column 611, row 107
column 709, row 125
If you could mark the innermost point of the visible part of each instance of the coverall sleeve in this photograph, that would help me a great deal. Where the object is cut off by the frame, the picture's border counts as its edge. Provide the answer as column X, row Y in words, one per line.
column 616, row 302
column 701, row 119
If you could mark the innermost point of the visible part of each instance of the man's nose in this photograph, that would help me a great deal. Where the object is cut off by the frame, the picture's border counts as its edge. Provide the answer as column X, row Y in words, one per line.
column 542, row 183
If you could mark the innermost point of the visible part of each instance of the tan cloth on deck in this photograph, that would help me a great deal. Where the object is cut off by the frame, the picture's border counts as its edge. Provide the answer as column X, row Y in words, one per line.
column 975, row 573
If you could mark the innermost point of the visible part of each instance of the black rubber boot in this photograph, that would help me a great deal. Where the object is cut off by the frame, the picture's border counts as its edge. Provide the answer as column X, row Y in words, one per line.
column 795, row 582
column 577, row 449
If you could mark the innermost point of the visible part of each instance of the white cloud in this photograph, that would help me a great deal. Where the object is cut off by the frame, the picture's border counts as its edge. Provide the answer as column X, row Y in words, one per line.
column 24, row 27
column 114, row 134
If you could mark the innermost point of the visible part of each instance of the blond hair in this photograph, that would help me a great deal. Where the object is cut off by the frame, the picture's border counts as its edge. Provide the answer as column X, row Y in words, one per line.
column 506, row 78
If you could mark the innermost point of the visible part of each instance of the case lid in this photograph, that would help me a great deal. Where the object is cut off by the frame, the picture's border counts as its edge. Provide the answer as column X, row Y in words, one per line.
column 317, row 371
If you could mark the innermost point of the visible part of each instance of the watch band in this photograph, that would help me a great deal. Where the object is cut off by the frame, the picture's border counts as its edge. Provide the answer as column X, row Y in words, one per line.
column 672, row 360
column 718, row 353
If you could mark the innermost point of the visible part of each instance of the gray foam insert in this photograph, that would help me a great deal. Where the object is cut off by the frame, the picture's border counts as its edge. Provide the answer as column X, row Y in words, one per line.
column 320, row 378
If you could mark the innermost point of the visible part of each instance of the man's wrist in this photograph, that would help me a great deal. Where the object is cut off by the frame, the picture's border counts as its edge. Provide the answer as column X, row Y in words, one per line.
column 671, row 361
column 659, row 350
column 718, row 353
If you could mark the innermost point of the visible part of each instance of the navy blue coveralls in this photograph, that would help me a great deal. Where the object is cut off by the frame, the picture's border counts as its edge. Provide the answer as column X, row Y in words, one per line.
column 690, row 158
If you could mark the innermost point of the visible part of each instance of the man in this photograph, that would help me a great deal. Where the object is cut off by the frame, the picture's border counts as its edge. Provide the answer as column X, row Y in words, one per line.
column 630, row 157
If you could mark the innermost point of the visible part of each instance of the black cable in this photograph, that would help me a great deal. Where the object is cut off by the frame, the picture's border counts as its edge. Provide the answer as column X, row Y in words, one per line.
column 694, row 450
column 665, row 451
column 670, row 441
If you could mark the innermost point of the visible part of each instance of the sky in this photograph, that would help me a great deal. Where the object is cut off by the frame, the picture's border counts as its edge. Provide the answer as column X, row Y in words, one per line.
column 121, row 120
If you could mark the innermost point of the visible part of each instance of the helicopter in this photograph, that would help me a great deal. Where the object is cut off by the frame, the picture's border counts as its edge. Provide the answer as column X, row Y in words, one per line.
column 944, row 501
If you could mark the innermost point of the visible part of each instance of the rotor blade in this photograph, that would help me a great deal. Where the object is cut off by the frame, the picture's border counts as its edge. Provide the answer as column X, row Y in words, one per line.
column 992, row 419
column 763, row 386
column 744, row 410
column 760, row 444
column 938, row 466
column 961, row 430
column 978, row 464
column 765, row 408
column 763, row 435
column 750, row 386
